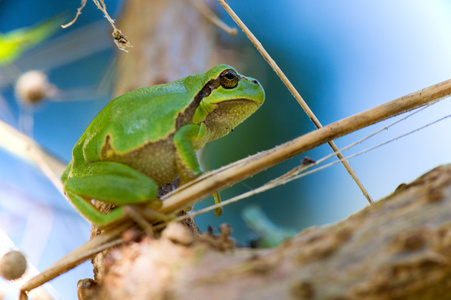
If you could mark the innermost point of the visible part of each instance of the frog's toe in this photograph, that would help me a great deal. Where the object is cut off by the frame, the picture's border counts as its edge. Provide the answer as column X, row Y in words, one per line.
column 155, row 204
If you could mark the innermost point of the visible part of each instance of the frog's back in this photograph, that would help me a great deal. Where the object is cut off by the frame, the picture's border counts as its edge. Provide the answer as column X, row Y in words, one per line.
column 144, row 115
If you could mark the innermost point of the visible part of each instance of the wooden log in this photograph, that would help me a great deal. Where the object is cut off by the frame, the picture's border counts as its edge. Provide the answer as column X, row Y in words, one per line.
column 397, row 248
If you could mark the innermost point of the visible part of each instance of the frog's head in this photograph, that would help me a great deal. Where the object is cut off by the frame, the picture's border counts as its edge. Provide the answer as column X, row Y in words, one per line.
column 227, row 99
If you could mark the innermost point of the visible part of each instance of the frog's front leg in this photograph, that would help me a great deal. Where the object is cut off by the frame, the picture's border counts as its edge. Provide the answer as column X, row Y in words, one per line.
column 187, row 162
column 186, row 159
column 109, row 182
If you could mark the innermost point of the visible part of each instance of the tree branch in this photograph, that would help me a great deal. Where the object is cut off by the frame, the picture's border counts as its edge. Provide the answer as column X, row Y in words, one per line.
column 398, row 248
column 226, row 176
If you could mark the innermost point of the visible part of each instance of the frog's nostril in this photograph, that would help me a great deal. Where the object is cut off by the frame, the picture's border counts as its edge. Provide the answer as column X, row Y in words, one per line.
column 255, row 81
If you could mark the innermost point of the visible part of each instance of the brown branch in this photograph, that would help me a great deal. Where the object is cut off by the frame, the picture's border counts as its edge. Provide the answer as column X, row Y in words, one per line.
column 81, row 254
column 224, row 177
column 398, row 248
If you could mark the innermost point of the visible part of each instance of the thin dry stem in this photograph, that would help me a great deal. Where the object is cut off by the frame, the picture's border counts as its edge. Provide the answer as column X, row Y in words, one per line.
column 46, row 169
column 81, row 254
column 24, row 147
column 294, row 174
column 83, row 3
column 294, row 92
column 119, row 39
column 226, row 176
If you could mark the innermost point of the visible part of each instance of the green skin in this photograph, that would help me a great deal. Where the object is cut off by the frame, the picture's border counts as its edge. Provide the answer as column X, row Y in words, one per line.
column 149, row 137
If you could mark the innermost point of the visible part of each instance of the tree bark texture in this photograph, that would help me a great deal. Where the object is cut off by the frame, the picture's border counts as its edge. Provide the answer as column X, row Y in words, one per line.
column 397, row 248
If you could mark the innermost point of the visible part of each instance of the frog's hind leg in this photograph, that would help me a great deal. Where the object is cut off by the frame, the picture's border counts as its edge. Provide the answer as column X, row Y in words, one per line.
column 109, row 182
column 92, row 214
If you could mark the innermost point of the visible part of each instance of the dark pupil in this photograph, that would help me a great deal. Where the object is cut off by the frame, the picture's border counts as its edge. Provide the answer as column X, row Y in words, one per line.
column 229, row 75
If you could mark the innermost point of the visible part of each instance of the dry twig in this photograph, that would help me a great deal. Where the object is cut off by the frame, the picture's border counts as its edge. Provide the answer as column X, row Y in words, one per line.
column 119, row 39
column 295, row 93
column 224, row 177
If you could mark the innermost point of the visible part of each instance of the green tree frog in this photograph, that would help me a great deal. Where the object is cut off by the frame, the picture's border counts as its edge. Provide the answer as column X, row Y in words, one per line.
column 149, row 137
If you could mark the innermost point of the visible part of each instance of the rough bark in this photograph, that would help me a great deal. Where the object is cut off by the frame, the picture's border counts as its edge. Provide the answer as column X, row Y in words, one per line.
column 397, row 248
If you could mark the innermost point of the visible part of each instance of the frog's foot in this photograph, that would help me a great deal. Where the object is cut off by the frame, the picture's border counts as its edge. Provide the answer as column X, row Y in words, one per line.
column 92, row 214
column 113, row 183
column 133, row 213
column 218, row 210
column 145, row 216
column 155, row 216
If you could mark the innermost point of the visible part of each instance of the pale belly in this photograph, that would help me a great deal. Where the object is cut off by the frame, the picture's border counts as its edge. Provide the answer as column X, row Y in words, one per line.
column 156, row 160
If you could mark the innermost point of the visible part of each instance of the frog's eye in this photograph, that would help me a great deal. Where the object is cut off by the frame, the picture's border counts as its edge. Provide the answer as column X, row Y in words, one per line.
column 228, row 79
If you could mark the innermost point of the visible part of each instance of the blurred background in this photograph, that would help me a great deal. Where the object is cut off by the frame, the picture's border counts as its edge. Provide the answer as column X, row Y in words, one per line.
column 342, row 57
